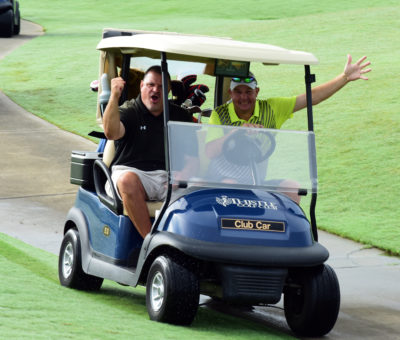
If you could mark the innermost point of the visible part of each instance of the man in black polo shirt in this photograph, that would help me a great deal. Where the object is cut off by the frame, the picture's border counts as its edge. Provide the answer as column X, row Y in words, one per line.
column 138, row 169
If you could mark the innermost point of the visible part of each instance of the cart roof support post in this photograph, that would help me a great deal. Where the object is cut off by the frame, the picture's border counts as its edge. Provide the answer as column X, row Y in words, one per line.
column 219, row 85
column 309, row 79
column 164, row 72
column 126, row 62
column 165, row 87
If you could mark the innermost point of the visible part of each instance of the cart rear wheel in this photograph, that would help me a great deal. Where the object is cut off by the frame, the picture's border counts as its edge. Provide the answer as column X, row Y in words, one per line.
column 172, row 292
column 312, row 301
column 70, row 270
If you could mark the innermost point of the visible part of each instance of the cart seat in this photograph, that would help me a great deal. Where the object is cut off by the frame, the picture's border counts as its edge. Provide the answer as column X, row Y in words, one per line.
column 106, row 191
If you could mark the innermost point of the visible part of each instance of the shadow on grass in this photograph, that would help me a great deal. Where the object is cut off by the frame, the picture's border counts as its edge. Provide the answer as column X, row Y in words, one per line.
column 237, row 318
column 122, row 296
column 212, row 316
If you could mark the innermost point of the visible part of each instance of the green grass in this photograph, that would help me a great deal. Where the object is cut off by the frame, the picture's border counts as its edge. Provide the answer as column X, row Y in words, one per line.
column 33, row 305
column 357, row 130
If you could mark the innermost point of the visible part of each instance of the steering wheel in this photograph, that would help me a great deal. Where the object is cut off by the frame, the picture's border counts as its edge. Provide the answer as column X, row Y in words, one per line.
column 244, row 147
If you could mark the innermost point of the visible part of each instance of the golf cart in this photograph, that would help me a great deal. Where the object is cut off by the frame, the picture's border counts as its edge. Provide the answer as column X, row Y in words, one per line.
column 242, row 241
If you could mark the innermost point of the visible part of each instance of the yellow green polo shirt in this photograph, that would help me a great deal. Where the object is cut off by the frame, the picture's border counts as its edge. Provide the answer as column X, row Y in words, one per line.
column 270, row 113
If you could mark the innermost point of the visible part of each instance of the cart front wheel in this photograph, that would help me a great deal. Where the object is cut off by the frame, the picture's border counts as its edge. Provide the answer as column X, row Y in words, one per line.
column 312, row 301
column 172, row 291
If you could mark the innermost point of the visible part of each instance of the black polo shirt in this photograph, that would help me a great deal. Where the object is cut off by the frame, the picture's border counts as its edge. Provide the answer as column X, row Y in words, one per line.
column 142, row 146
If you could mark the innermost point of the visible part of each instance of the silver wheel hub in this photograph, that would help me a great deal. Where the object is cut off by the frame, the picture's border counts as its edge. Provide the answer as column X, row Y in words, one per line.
column 68, row 260
column 157, row 292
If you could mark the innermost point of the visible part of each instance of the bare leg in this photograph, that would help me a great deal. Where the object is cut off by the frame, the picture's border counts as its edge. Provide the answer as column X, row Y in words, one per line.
column 134, row 198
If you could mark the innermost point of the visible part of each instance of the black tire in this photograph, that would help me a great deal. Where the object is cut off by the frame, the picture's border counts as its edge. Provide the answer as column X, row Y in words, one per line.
column 17, row 14
column 70, row 270
column 312, row 301
column 7, row 24
column 172, row 291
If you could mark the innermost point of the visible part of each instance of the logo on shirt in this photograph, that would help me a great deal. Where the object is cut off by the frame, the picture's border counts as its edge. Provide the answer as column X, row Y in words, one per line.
column 143, row 127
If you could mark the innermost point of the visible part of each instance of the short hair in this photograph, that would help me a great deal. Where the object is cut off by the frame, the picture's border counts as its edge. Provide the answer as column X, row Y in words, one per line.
column 156, row 69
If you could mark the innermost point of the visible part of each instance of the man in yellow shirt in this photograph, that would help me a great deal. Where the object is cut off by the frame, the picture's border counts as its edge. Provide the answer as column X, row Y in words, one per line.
column 245, row 109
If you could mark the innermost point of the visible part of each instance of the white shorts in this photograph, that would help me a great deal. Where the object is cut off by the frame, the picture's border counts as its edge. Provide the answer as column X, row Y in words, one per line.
column 154, row 182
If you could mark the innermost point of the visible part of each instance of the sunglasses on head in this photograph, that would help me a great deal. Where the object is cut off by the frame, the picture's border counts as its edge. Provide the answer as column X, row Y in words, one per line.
column 243, row 80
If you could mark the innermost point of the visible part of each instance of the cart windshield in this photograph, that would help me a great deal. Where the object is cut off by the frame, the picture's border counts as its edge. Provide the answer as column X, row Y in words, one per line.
column 241, row 157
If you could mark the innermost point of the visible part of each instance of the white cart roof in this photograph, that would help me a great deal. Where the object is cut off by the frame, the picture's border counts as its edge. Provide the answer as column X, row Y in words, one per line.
column 204, row 49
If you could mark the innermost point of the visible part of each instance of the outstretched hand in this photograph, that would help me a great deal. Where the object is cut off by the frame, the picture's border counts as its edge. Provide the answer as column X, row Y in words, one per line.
column 356, row 71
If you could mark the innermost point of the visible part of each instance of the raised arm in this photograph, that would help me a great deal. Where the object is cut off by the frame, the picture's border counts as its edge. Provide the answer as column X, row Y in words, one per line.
column 321, row 92
column 113, row 127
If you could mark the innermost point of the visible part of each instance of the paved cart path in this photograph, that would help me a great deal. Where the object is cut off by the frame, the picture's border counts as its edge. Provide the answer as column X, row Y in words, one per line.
column 36, row 195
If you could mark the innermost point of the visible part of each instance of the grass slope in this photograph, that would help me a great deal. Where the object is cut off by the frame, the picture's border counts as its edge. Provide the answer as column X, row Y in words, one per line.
column 358, row 129
column 33, row 305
